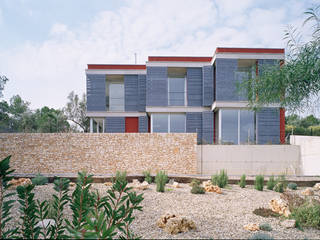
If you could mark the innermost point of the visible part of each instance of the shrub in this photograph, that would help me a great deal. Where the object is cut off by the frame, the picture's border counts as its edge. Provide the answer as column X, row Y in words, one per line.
column 161, row 180
column 196, row 188
column 259, row 182
column 279, row 187
column 293, row 200
column 265, row 227
column 261, row 236
column 282, row 179
column 292, row 186
column 242, row 182
column 265, row 212
column 307, row 215
column 147, row 176
column 120, row 177
column 271, row 183
column 220, row 180
column 39, row 180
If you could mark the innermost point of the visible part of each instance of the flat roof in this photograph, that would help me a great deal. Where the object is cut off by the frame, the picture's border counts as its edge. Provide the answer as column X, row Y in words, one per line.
column 117, row 66
column 178, row 59
column 249, row 50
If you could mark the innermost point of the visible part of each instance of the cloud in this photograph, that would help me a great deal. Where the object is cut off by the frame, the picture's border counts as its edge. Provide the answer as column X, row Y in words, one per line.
column 45, row 73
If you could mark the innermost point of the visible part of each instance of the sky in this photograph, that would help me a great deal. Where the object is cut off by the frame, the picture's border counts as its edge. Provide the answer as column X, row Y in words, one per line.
column 45, row 45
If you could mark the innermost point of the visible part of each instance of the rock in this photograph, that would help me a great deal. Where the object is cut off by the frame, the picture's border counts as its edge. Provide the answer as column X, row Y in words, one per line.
column 252, row 227
column 108, row 184
column 140, row 186
column 208, row 187
column 45, row 223
column 280, row 206
column 176, row 185
column 19, row 182
column 135, row 182
column 72, row 184
column 174, row 224
column 308, row 192
column 288, row 223
column 317, row 186
column 207, row 183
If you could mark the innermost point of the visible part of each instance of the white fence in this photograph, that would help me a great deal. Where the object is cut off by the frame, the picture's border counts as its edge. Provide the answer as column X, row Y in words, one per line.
column 249, row 159
column 310, row 154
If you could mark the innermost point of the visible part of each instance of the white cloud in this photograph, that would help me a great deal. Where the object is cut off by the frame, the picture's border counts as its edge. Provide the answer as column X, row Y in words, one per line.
column 44, row 74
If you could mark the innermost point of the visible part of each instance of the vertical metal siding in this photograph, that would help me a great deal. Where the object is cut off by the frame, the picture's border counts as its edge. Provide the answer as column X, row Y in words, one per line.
column 207, row 77
column 268, row 126
column 157, row 86
column 194, row 86
column 96, row 92
column 226, row 88
column 131, row 96
column 115, row 125
column 143, row 124
column 142, row 93
column 194, row 124
column 207, row 127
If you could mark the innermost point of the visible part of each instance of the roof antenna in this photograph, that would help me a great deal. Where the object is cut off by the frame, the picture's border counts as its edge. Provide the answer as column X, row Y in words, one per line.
column 135, row 58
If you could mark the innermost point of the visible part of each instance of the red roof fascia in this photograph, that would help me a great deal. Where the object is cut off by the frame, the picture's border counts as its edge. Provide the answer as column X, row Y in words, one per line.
column 116, row 66
column 250, row 50
column 179, row 59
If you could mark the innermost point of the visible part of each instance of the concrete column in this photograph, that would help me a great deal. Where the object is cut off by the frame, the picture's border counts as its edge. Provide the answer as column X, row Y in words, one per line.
column 97, row 127
column 103, row 125
column 91, row 125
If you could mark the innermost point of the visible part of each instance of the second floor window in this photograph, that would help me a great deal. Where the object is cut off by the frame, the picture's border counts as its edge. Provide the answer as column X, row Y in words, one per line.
column 116, row 97
column 176, row 91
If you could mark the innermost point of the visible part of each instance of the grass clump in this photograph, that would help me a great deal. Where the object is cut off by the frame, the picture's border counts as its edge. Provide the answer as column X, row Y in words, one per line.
column 271, row 183
column 307, row 215
column 282, row 179
column 221, row 179
column 279, row 187
column 292, row 186
column 261, row 236
column 265, row 212
column 39, row 180
column 161, row 180
column 259, row 182
column 196, row 188
column 120, row 177
column 265, row 227
column 242, row 182
column 147, row 176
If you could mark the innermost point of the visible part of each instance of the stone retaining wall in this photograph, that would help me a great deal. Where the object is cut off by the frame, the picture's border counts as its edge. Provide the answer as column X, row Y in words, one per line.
column 100, row 153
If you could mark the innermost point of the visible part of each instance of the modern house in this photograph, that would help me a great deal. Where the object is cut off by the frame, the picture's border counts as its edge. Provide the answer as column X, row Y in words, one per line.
column 185, row 94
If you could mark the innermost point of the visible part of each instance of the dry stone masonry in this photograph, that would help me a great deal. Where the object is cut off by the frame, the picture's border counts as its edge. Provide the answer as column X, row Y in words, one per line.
column 100, row 153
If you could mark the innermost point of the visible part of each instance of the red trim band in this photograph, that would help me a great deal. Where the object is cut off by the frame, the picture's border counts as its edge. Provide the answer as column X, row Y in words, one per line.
column 116, row 66
column 179, row 59
column 249, row 50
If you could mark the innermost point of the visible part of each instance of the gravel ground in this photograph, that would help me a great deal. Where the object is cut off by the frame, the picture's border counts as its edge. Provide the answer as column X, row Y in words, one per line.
column 216, row 216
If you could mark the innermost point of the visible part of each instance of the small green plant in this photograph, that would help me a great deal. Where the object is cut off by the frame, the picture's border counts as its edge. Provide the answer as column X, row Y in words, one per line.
column 147, row 176
column 196, row 188
column 121, row 177
column 261, row 236
column 279, row 187
column 307, row 215
column 271, row 183
column 265, row 227
column 221, row 180
column 282, row 179
column 259, row 182
column 292, row 186
column 242, row 182
column 39, row 180
column 161, row 180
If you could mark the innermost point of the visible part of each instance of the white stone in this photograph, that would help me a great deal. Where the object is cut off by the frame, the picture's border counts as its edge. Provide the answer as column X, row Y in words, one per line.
column 317, row 186
column 289, row 223
column 45, row 223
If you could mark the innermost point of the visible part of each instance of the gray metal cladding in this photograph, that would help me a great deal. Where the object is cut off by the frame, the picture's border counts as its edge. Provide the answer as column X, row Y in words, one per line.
column 268, row 126
column 115, row 125
column 194, row 86
column 157, row 86
column 226, row 86
column 207, row 76
column 207, row 127
column 131, row 97
column 194, row 124
column 143, row 124
column 96, row 92
column 142, row 93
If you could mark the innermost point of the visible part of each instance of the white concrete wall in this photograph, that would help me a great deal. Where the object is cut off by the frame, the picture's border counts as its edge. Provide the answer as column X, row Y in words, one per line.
column 249, row 159
column 310, row 153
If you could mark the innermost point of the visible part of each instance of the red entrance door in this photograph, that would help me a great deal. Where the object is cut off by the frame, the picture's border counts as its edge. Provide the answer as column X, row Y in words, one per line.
column 132, row 124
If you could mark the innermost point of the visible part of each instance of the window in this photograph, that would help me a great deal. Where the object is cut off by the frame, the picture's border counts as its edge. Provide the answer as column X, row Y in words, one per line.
column 176, row 89
column 116, row 97
column 172, row 123
column 236, row 126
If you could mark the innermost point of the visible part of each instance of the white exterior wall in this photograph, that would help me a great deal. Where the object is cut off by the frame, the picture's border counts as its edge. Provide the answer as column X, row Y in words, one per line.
column 310, row 153
column 249, row 159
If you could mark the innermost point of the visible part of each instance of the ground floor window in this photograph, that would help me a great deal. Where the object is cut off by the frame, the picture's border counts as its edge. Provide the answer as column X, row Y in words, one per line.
column 168, row 123
column 236, row 126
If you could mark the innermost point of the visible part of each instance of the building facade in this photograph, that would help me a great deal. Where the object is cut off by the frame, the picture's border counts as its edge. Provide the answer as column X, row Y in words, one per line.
column 183, row 95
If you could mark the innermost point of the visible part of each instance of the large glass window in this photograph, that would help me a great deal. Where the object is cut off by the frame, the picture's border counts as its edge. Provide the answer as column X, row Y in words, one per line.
column 172, row 123
column 116, row 97
column 176, row 88
column 236, row 126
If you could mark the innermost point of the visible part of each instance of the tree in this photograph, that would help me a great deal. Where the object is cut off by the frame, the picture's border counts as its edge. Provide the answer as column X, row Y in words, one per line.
column 50, row 120
column 296, row 84
column 3, row 80
column 76, row 111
